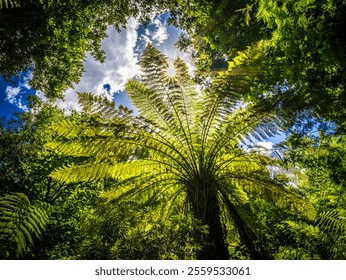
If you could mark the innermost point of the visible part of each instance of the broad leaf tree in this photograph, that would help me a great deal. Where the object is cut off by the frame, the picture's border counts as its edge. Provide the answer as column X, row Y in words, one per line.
column 303, row 59
column 52, row 38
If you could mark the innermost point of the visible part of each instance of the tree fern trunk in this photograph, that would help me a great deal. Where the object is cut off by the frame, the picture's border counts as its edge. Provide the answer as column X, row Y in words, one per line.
column 205, row 207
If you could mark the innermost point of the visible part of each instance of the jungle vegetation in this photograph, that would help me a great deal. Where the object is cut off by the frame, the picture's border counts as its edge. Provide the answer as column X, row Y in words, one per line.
column 185, row 178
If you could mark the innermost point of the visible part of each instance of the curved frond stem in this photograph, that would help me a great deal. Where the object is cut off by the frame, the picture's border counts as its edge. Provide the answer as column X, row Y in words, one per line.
column 222, row 141
column 151, row 182
column 186, row 166
column 209, row 120
column 187, row 135
column 174, row 197
column 226, row 163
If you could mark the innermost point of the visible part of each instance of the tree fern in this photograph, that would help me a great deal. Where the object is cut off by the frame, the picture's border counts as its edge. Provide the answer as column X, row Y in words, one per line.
column 189, row 153
column 19, row 222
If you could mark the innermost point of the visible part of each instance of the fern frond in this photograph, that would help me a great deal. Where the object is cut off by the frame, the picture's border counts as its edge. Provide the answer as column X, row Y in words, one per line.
column 251, row 54
column 103, row 107
column 99, row 171
column 20, row 220
column 154, row 67
column 280, row 196
column 98, row 105
column 249, row 172
column 67, row 129
column 308, row 230
column 82, row 173
column 150, row 103
column 331, row 221
column 100, row 148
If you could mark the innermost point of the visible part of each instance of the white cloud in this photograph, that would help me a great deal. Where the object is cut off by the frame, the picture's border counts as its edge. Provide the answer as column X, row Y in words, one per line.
column 13, row 97
column 120, row 65
column 123, row 50
column 164, row 37
column 265, row 145
column 11, row 93
column 26, row 80
column 156, row 32
column 160, row 34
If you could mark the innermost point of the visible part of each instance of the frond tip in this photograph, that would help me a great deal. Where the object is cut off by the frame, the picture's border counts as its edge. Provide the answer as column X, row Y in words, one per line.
column 331, row 221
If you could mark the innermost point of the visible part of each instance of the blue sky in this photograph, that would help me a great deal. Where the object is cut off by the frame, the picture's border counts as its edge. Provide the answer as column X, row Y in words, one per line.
column 13, row 94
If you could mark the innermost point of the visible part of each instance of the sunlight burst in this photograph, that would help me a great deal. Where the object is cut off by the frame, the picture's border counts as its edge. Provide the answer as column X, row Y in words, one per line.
column 171, row 71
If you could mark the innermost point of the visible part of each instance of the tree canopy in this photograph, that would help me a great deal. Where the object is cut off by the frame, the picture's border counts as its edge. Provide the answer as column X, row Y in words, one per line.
column 189, row 175
column 52, row 38
column 303, row 58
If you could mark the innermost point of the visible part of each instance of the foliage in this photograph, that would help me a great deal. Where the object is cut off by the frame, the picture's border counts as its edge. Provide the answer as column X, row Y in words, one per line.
column 24, row 212
column 333, row 222
column 19, row 222
column 323, row 162
column 321, row 159
column 183, row 148
column 127, row 230
column 64, row 232
column 39, row 216
column 302, row 65
column 52, row 37
column 178, row 181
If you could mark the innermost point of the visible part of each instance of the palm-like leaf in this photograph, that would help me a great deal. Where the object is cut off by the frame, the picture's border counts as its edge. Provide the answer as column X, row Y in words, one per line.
column 20, row 221
column 193, row 155
column 331, row 221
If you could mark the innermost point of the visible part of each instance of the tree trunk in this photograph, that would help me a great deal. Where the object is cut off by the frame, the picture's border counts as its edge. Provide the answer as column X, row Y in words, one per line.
column 205, row 207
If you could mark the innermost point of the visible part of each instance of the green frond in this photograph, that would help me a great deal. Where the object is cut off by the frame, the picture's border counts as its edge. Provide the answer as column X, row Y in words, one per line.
column 308, row 230
column 103, row 107
column 97, row 105
column 134, row 168
column 20, row 221
column 154, row 67
column 99, row 171
column 150, row 103
column 246, row 13
column 331, row 221
column 67, row 128
column 82, row 173
column 283, row 198
column 181, row 75
column 147, row 187
column 102, row 148
column 235, row 83
column 262, row 186
column 242, row 124
column 249, row 173
column 251, row 53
